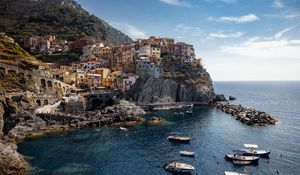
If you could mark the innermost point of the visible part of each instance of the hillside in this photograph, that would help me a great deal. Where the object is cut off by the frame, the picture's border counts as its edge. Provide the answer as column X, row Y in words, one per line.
column 12, row 53
column 64, row 18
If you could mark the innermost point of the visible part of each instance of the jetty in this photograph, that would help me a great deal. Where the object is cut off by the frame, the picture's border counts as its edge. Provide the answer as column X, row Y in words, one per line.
column 245, row 115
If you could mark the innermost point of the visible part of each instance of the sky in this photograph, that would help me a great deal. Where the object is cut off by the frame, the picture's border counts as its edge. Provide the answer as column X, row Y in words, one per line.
column 237, row 40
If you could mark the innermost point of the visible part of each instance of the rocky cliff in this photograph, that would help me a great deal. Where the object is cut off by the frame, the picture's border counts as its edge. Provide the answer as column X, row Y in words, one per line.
column 188, row 82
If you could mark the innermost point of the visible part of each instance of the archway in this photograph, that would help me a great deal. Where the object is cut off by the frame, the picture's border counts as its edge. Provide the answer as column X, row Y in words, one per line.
column 46, row 102
column 43, row 83
column 38, row 102
column 49, row 84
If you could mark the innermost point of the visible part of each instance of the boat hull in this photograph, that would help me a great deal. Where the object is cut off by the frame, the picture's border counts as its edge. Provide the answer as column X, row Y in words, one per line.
column 264, row 155
column 252, row 159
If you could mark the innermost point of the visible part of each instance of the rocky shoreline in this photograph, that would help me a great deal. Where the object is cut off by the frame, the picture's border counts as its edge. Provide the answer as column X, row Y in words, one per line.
column 245, row 115
column 19, row 122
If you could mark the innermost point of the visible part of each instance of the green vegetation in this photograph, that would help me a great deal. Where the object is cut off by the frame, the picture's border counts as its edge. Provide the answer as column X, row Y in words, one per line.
column 64, row 18
column 64, row 58
column 15, row 83
column 12, row 53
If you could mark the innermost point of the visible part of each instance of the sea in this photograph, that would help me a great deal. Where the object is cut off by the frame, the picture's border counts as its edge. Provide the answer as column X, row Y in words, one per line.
column 144, row 149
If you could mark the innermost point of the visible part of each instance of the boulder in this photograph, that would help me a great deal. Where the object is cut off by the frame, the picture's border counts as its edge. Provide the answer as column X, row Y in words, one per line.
column 219, row 98
column 231, row 98
column 11, row 162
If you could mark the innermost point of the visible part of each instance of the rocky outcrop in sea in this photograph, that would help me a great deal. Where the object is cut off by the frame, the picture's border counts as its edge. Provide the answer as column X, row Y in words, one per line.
column 245, row 115
column 178, row 83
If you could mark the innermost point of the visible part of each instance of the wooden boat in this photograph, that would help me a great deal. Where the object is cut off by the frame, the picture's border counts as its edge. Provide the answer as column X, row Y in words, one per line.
column 236, row 157
column 243, row 162
column 252, row 150
column 123, row 129
column 187, row 153
column 179, row 167
column 179, row 138
column 234, row 173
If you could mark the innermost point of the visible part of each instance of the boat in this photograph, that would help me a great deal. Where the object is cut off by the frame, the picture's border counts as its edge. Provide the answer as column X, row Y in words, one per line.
column 179, row 167
column 252, row 150
column 241, row 162
column 123, row 129
column 177, row 137
column 189, row 112
column 187, row 153
column 237, row 157
column 234, row 173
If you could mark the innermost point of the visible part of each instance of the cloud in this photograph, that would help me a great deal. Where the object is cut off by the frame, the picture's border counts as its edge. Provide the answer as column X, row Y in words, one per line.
column 130, row 30
column 228, row 35
column 225, row 1
column 179, row 3
column 285, row 15
column 262, row 48
column 277, row 4
column 238, row 19
column 188, row 30
column 282, row 32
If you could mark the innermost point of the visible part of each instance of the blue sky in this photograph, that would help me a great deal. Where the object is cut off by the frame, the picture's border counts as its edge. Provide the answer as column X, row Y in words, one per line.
column 236, row 39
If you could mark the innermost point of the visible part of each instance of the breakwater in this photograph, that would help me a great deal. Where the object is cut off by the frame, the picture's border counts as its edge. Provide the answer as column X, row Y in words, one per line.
column 245, row 115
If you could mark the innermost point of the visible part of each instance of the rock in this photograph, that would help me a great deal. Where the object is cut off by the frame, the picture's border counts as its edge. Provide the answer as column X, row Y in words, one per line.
column 11, row 162
column 219, row 98
column 189, row 89
column 245, row 115
column 231, row 98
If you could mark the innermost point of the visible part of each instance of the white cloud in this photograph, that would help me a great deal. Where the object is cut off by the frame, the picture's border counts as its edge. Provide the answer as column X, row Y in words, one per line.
column 188, row 30
column 282, row 32
column 277, row 4
column 238, row 19
column 285, row 15
column 130, row 30
column 177, row 3
column 225, row 1
column 270, row 49
column 228, row 35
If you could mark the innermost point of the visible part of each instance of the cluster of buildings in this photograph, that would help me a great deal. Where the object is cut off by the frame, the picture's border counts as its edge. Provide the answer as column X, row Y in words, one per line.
column 45, row 44
column 105, row 66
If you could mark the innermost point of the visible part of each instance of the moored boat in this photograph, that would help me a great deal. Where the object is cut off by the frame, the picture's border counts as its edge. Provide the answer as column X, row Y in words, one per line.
column 236, row 157
column 179, row 138
column 123, row 129
column 190, row 112
column 179, row 167
column 234, row 173
column 187, row 153
column 252, row 150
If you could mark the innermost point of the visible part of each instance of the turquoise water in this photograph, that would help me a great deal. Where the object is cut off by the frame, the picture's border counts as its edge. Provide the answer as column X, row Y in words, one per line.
column 144, row 149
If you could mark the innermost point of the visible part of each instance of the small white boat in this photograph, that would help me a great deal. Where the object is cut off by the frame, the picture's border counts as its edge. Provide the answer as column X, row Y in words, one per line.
column 187, row 153
column 234, row 173
column 179, row 167
column 189, row 112
column 123, row 129
column 252, row 150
